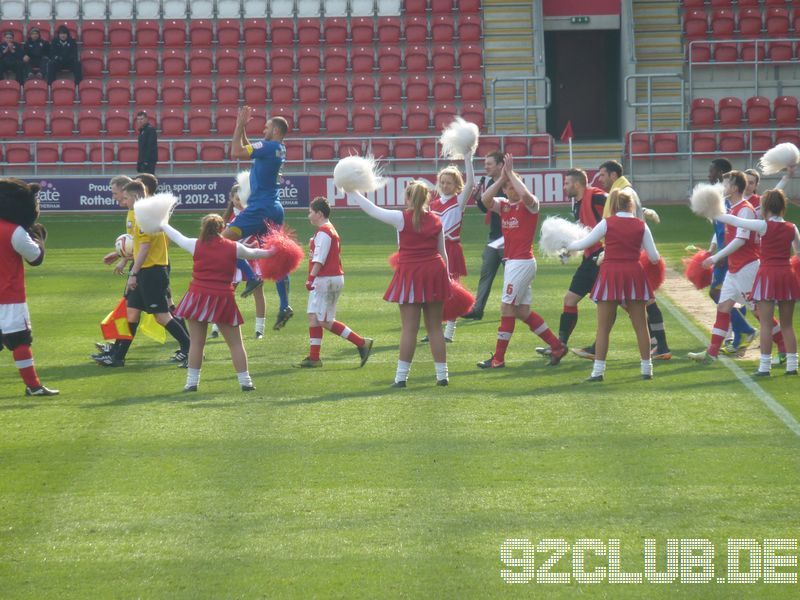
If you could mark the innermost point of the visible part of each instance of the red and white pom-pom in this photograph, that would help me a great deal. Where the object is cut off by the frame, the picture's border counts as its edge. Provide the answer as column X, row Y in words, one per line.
column 394, row 260
column 655, row 273
column 243, row 181
column 288, row 254
column 696, row 272
column 458, row 303
column 795, row 262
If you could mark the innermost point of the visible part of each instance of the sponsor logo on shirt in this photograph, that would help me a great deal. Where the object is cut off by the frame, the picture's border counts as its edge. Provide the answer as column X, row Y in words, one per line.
column 512, row 223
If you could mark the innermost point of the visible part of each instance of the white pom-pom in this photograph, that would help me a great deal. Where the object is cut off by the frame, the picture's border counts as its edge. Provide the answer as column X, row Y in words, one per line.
column 458, row 139
column 651, row 215
column 707, row 200
column 151, row 213
column 557, row 233
column 243, row 180
column 358, row 174
column 778, row 158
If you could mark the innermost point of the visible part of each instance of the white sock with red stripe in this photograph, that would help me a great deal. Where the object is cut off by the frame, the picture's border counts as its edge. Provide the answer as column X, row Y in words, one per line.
column 23, row 360
column 718, row 332
column 345, row 332
column 315, row 342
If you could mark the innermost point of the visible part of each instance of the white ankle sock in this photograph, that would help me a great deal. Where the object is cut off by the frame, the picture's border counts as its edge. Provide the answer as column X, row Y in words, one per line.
column 791, row 361
column 647, row 367
column 441, row 371
column 403, row 369
column 450, row 330
column 599, row 368
column 192, row 376
column 765, row 363
column 244, row 378
column 260, row 324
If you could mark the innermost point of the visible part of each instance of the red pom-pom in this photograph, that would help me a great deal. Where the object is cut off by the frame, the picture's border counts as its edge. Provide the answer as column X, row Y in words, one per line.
column 695, row 272
column 458, row 303
column 655, row 273
column 796, row 267
column 394, row 260
column 288, row 254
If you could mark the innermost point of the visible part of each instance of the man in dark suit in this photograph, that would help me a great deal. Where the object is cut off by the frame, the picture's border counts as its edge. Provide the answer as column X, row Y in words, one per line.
column 11, row 57
column 148, row 145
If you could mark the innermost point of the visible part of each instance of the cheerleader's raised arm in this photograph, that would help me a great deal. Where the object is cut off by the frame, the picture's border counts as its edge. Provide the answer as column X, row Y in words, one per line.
column 390, row 217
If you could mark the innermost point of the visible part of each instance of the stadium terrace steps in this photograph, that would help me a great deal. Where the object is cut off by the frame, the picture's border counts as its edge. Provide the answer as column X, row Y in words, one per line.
column 587, row 155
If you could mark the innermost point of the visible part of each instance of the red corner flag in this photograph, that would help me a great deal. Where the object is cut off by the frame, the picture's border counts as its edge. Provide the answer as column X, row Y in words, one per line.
column 567, row 134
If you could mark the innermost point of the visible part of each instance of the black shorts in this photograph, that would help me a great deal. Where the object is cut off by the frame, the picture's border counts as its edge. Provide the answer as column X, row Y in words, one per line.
column 150, row 293
column 585, row 276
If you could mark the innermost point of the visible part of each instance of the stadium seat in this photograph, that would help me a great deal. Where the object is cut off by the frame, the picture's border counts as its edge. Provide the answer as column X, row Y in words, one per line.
column 309, row 60
column 73, row 153
column 40, row 9
column 309, row 120
column 443, row 115
column 9, row 123
column 444, row 88
column 201, row 62
column 335, row 89
column 389, row 30
column 13, row 9
column 363, row 119
column 35, row 92
column 321, row 150
column 470, row 57
column 46, row 153
column 174, row 33
column 471, row 87
column 390, row 118
column 101, row 153
column 90, row 123
column 779, row 51
column 34, row 122
column 749, row 22
column 173, row 62
column 145, row 93
column 120, row 34
column 335, row 8
column 404, row 149
column 226, row 119
column 776, row 21
column 118, row 122
column 725, row 52
column 542, row 148
column 336, row 119
column 761, row 141
column 389, row 59
column 469, row 28
column 704, row 143
column 474, row 113
column 199, row 121
column 785, row 111
column 45, row 27
column 254, row 61
column 443, row 29
column 127, row 153
column 212, row 152
column 172, row 121
column 416, row 59
column 722, row 23
column 490, row 143
column 145, row 62
column 201, row 32
column 309, row 91
column 700, row 3
column 758, row 110
column 335, row 31
column 281, row 32
column 731, row 141
column 148, row 9
column 390, row 88
column 442, row 7
column 201, row 92
column 350, row 147
column 729, row 111
column 417, row 88
column 384, row 7
column 174, row 9
column 362, row 59
column 379, row 148
column 415, row 7
column 443, row 58
column 228, row 91
column 363, row 88
column 416, row 29
column 229, row 9
column 362, row 30
column 695, row 24
column 119, row 62
column 281, row 90
column 18, row 153
column 786, row 136
column 294, row 150
column 418, row 118
column 93, row 34
column 308, row 8
column 702, row 112
column 228, row 62
column 308, row 31
column 91, row 92
column 10, row 92
column 517, row 146
column 278, row 8
column 665, row 143
column 255, row 128
column 201, row 9
column 335, row 59
column 173, row 92
column 428, row 149
column 147, row 34
column 229, row 32
column 752, row 51
column 637, row 144
column 281, row 62
column 62, row 92
column 255, row 91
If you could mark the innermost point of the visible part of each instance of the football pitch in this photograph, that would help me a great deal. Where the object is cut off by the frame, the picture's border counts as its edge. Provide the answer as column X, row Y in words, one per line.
column 327, row 483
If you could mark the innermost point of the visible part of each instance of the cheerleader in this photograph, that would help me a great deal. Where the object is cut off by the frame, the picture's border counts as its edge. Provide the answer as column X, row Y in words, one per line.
column 210, row 298
column 775, row 280
column 453, row 193
column 621, row 279
column 420, row 284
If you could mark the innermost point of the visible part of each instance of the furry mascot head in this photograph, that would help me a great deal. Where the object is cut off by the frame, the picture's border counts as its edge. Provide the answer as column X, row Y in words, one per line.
column 19, row 203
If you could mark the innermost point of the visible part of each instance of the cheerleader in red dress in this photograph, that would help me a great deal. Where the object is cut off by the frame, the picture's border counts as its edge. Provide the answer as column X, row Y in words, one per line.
column 211, row 298
column 448, row 205
column 621, row 279
column 775, row 280
column 420, row 284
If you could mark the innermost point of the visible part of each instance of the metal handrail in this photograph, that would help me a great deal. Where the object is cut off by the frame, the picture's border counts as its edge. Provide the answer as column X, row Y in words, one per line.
column 649, row 104
column 526, row 107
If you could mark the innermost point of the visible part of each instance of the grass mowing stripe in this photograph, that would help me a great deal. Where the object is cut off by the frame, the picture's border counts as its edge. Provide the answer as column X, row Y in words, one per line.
column 776, row 407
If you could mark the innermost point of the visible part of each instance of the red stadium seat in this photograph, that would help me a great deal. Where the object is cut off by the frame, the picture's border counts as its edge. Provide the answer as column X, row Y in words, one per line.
column 416, row 29
column 517, row 146
column 173, row 92
column 470, row 57
column 405, row 149
column 363, row 119
column 34, row 122
column 35, row 92
column 335, row 59
column 294, row 150
column 780, row 51
column 255, row 128
column 282, row 32
column 147, row 34
column 417, row 88
column 335, row 31
column 390, row 118
column 444, row 88
column 92, row 62
column 46, row 153
column 163, row 153
column 490, row 143
column 93, row 34
column 201, row 62
column 16, row 27
column 469, row 28
column 416, row 59
column 281, row 62
column 350, row 147
column 730, row 141
column 390, row 88
column 722, row 23
column 321, row 150
column 474, row 113
column 702, row 112
column 471, row 87
column 443, row 115
column 695, row 24
column 127, row 153
column 335, row 89
column 362, row 30
column 255, row 91
column 118, row 122
column 786, row 111
column 704, row 143
column 282, row 90
column 119, row 62
column 336, row 119
column 379, row 148
column 389, row 30
column 749, row 22
column 62, row 92
column 665, row 143
column 363, row 88
column 415, row 7
column 417, row 118
column 172, row 121
column 254, row 61
column 309, row 120
column 10, row 92
column 308, row 31
column 362, row 59
column 73, row 153
column 758, row 110
column 309, row 91
column 212, row 152
column 444, row 59
column 146, row 62
column 389, row 59
column 229, row 32
column 309, row 60
column 184, row 152
column 443, row 29
column 761, row 141
column 442, row 7
column 228, row 61
column 90, row 123
column 752, row 51
column 18, row 153
column 201, row 92
column 173, row 62
column 730, row 112
column 786, row 136
column 777, row 21
column 200, row 121
column 771, row 3
column 638, row 145
column 469, row 6
column 201, row 33
column 700, row 3
column 120, row 34
column 255, row 33
column 101, row 153
column 227, row 91
column 226, row 119
column 145, row 92
column 174, row 33
column 722, row 53
column 542, row 148
column 428, row 149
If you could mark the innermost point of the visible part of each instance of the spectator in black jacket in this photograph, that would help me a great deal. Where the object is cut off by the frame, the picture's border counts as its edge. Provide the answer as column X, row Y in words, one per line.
column 64, row 56
column 148, row 145
column 36, row 52
column 11, row 57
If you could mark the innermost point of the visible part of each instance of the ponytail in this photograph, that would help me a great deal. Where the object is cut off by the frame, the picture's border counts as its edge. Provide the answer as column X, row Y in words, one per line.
column 210, row 227
column 419, row 195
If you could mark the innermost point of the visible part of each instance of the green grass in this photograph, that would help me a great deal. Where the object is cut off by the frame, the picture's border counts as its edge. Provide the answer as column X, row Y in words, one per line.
column 329, row 484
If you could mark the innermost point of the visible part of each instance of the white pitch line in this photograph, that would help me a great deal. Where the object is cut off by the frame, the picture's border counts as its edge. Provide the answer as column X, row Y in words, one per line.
column 773, row 405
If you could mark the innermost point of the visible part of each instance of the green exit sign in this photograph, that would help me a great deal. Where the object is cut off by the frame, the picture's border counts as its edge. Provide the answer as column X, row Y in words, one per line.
column 579, row 20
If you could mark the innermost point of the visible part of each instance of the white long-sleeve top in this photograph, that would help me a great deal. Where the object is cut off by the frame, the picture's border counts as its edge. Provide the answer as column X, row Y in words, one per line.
column 600, row 230
column 759, row 226
column 188, row 244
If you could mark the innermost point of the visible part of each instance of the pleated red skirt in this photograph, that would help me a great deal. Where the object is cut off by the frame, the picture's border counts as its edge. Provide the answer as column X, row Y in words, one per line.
column 621, row 282
column 209, row 306
column 455, row 258
column 419, row 282
column 776, row 283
